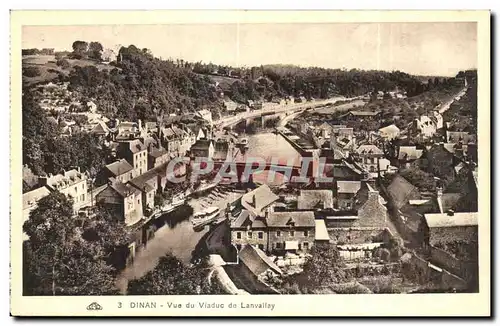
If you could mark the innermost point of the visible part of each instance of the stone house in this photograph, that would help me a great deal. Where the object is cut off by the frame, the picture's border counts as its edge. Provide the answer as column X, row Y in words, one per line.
column 135, row 153
column 368, row 156
column 148, row 184
column 389, row 132
column 365, row 221
column 120, row 170
column 346, row 194
column 31, row 198
column 203, row 148
column 123, row 200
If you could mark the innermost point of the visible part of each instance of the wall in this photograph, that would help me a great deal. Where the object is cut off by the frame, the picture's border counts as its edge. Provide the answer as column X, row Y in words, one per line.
column 254, row 240
column 450, row 234
column 358, row 235
column 286, row 236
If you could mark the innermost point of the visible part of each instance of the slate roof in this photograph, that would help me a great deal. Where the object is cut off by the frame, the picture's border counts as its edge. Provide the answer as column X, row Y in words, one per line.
column 401, row 191
column 203, row 144
column 313, row 199
column 283, row 219
column 409, row 153
column 455, row 220
column 157, row 152
column 135, row 145
column 119, row 167
column 348, row 187
column 389, row 129
column 258, row 199
column 123, row 190
column 369, row 149
column 246, row 219
column 141, row 180
column 257, row 261
column 31, row 197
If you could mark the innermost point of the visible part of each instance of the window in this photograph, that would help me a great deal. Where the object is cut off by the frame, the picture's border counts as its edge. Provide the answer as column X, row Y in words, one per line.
column 261, row 247
column 306, row 245
column 83, row 197
column 238, row 235
column 300, row 246
column 76, row 189
column 278, row 245
column 292, row 233
column 138, row 201
column 278, row 233
column 249, row 234
column 136, row 165
column 348, row 205
column 261, row 235
column 306, row 233
column 83, row 186
column 131, row 176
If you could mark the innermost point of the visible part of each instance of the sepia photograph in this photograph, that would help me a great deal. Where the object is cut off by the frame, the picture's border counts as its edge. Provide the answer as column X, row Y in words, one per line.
column 250, row 158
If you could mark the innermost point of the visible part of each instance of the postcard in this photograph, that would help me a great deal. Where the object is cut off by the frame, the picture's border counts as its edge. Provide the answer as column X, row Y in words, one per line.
column 250, row 163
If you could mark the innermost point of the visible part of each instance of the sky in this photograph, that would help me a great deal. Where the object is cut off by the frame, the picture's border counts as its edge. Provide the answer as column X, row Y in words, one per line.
column 438, row 49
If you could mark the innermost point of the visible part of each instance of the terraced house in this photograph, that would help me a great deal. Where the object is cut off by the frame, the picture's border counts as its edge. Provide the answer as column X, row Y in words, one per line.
column 257, row 224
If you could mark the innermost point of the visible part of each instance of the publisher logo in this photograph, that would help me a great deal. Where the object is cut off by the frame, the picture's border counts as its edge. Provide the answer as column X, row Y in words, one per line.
column 94, row 306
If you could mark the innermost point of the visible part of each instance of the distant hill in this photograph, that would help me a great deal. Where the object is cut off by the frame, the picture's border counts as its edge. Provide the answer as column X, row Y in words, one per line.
column 50, row 71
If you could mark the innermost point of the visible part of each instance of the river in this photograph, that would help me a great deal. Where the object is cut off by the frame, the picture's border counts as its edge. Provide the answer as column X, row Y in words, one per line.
column 180, row 239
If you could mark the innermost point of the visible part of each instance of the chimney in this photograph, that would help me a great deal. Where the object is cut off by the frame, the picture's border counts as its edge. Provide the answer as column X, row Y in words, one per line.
column 254, row 201
column 140, row 125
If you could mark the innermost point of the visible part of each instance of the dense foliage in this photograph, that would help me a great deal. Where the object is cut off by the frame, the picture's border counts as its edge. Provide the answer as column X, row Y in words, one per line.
column 44, row 151
column 172, row 277
column 68, row 256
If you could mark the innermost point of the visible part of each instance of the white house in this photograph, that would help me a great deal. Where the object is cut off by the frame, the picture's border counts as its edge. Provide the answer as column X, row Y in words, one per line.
column 390, row 132
column 425, row 126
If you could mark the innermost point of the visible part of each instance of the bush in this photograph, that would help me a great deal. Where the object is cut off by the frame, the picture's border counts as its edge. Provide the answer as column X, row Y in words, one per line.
column 31, row 71
column 63, row 63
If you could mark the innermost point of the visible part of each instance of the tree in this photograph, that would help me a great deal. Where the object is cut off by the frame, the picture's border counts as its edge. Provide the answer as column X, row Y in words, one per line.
column 324, row 267
column 80, row 49
column 172, row 277
column 57, row 259
column 95, row 50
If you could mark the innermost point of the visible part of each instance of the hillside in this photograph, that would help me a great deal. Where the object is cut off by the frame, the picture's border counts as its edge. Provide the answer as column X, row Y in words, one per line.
column 49, row 70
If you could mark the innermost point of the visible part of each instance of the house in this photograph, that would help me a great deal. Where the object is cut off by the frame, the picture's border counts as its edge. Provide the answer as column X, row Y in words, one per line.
column 120, row 170
column 346, row 194
column 100, row 129
column 157, row 156
column 230, row 106
column 31, row 198
column 148, row 184
column 449, row 227
column 315, row 199
column 203, row 148
column 425, row 126
column 127, row 130
column 135, row 153
column 368, row 219
column 258, row 200
column 71, row 183
column 368, row 156
column 290, row 231
column 389, row 132
column 205, row 115
column 257, row 262
column 438, row 118
column 123, row 200
column 325, row 129
column 459, row 137
column 407, row 155
column 342, row 131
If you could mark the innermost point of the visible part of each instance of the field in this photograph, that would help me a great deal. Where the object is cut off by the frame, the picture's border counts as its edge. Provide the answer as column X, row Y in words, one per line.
column 49, row 70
